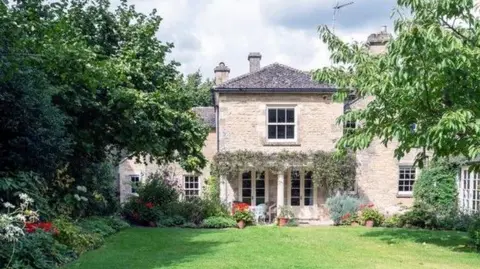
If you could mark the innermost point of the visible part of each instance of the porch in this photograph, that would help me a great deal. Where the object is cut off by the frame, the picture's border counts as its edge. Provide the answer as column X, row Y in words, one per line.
column 292, row 187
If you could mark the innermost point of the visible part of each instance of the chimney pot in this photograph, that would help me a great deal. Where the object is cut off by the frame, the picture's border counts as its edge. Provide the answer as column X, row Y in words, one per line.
column 221, row 73
column 254, row 59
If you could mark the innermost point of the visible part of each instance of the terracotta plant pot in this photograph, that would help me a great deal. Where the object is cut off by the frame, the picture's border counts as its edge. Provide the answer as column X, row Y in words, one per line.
column 282, row 221
column 369, row 223
column 355, row 224
column 241, row 224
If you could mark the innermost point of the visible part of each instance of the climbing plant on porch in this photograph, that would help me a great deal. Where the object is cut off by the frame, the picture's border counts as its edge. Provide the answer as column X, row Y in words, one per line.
column 329, row 170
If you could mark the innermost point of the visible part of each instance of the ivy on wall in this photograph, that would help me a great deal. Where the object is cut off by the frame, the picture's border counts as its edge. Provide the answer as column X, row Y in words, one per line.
column 329, row 170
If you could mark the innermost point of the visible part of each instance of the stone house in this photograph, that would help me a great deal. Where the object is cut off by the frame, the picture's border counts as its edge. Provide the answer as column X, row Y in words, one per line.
column 276, row 108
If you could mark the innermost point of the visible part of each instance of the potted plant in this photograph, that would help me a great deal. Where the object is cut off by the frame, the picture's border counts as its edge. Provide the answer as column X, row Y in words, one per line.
column 243, row 217
column 286, row 213
column 350, row 219
column 371, row 217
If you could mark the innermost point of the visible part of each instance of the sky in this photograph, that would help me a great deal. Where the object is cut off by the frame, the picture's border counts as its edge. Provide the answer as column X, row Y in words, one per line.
column 206, row 32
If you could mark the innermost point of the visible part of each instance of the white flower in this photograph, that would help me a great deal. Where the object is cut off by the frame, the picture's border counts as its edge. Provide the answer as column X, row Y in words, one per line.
column 82, row 188
column 84, row 198
column 77, row 197
column 135, row 194
column 8, row 205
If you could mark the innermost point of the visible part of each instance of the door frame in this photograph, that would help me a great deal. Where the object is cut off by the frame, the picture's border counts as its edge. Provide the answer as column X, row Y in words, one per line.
column 254, row 186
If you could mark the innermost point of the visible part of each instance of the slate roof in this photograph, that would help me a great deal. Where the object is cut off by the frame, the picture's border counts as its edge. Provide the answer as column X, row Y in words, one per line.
column 275, row 78
column 206, row 114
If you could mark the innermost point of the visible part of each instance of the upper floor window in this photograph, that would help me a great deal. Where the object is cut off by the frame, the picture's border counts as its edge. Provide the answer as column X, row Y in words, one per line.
column 281, row 123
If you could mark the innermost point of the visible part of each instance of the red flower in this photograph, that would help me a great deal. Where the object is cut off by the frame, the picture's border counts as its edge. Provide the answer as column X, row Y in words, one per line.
column 45, row 226
column 149, row 205
column 240, row 207
column 346, row 216
column 371, row 205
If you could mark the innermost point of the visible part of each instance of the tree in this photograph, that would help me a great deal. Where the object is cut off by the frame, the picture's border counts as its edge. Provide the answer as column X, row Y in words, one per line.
column 198, row 89
column 114, row 85
column 428, row 77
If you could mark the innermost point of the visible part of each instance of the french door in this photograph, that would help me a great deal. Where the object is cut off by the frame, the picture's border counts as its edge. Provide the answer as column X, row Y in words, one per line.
column 253, row 188
column 301, row 191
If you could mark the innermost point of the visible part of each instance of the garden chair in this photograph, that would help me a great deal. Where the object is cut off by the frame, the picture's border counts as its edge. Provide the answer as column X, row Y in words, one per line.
column 272, row 211
column 260, row 212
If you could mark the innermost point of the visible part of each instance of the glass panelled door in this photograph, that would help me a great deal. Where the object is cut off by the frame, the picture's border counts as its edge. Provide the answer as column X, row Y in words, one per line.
column 308, row 189
column 247, row 187
column 301, row 188
column 295, row 180
column 260, row 188
column 254, row 188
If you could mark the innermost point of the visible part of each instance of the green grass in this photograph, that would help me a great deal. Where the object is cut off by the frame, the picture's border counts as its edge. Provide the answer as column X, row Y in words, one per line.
column 272, row 247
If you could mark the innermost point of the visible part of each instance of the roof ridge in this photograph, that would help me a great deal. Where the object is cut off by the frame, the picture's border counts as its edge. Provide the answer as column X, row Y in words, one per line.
column 246, row 75
column 293, row 68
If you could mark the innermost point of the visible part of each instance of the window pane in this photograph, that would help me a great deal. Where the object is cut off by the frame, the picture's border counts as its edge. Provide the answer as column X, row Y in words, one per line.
column 272, row 115
column 272, row 131
column 247, row 192
column 308, row 201
column 247, row 175
column 260, row 192
column 247, row 200
column 281, row 115
column 247, row 183
column 295, row 192
column 295, row 201
column 260, row 200
column 290, row 115
column 290, row 132
column 295, row 183
column 308, row 193
column 308, row 183
column 260, row 184
column 281, row 132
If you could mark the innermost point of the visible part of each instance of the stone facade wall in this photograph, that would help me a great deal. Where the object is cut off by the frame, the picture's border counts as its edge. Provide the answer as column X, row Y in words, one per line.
column 243, row 121
column 378, row 172
column 130, row 167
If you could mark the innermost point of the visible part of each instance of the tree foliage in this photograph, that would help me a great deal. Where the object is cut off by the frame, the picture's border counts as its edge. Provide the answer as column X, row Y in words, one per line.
column 95, row 79
column 428, row 77
column 198, row 89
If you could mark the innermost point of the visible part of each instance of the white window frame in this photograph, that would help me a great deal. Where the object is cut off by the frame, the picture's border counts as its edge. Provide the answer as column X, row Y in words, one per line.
column 295, row 124
column 132, row 188
column 406, row 166
column 469, row 190
column 189, row 189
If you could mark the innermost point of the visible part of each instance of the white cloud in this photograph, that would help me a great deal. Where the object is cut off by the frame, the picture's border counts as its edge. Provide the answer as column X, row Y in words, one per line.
column 206, row 32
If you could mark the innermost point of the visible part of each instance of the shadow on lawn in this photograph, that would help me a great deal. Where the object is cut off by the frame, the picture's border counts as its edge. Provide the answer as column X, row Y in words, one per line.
column 456, row 241
column 170, row 246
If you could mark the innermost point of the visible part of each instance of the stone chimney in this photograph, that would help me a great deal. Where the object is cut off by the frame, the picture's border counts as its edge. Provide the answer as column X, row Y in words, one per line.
column 377, row 42
column 221, row 73
column 254, row 59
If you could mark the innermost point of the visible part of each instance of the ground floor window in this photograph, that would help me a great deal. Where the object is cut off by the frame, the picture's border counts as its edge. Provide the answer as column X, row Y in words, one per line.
column 191, row 185
column 406, row 179
column 134, row 181
column 469, row 191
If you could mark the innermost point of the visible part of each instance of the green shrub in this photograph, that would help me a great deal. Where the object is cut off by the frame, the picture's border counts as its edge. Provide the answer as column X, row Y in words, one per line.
column 195, row 210
column 474, row 233
column 436, row 187
column 219, row 222
column 340, row 205
column 100, row 178
column 137, row 211
column 73, row 236
column 97, row 225
column 393, row 222
column 292, row 223
column 190, row 225
column 158, row 191
column 116, row 223
column 171, row 221
column 371, row 214
column 36, row 250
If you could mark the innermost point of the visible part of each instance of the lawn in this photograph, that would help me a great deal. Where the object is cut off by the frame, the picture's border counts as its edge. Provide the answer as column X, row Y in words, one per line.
column 272, row 247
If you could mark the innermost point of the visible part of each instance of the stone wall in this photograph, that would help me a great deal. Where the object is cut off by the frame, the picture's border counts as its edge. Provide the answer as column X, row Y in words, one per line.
column 243, row 124
column 130, row 167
